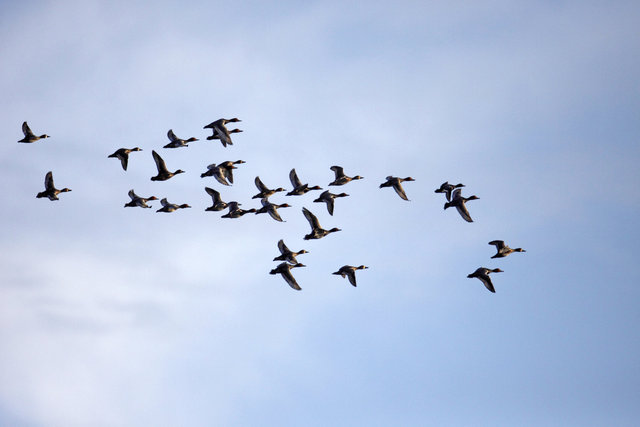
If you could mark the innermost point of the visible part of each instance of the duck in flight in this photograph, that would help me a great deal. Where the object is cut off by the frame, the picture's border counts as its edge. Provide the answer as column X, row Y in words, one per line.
column 329, row 198
column 349, row 271
column 502, row 249
column 341, row 178
column 317, row 232
column 264, row 190
column 177, row 142
column 29, row 136
column 447, row 188
column 285, row 270
column 459, row 202
column 482, row 273
column 287, row 254
column 235, row 211
column 298, row 187
column 272, row 209
column 50, row 190
column 396, row 183
column 171, row 207
column 122, row 154
column 220, row 130
column 163, row 172
column 138, row 201
column 218, row 204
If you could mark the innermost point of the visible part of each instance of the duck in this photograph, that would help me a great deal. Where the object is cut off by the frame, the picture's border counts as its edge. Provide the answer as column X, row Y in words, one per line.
column 317, row 232
column 482, row 273
column 217, row 136
column 235, row 211
column 502, row 249
column 138, row 201
column 170, row 207
column 221, row 131
column 163, row 172
column 177, row 142
column 447, row 189
column 328, row 198
column 396, row 183
column 286, row 254
column 349, row 271
column 222, row 172
column 285, row 270
column 123, row 155
column 218, row 204
column 50, row 191
column 341, row 178
column 459, row 202
column 264, row 190
column 271, row 209
column 29, row 136
column 298, row 187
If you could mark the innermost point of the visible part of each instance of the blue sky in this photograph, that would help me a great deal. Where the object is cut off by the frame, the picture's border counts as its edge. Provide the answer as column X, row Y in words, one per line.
column 112, row 316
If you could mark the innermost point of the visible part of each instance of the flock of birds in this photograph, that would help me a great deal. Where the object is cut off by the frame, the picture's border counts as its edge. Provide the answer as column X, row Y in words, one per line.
column 223, row 173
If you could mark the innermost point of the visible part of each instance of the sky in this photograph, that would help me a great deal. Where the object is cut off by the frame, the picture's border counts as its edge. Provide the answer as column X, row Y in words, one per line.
column 128, row 317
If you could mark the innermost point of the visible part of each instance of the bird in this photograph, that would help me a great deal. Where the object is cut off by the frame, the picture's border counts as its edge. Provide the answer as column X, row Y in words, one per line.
column 286, row 254
column 482, row 273
column 459, row 202
column 229, row 167
column 341, row 178
column 503, row 250
column 123, row 155
column 171, row 207
column 298, row 187
column 317, row 232
column 217, row 136
column 138, row 201
column 29, row 136
column 328, row 198
column 271, row 209
column 177, row 142
column 285, row 270
column 163, row 172
column 222, row 172
column 447, row 189
column 396, row 183
column 264, row 190
column 350, row 272
column 50, row 191
column 220, row 130
column 218, row 204
column 235, row 211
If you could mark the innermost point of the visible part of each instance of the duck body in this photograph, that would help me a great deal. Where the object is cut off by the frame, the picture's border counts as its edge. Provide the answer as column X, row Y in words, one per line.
column 163, row 172
column 50, row 191
column 137, row 201
column 459, row 203
column 396, row 183
column 341, row 178
column 264, row 190
column 329, row 198
column 286, row 254
column 171, row 207
column 177, row 142
column 317, row 232
column 298, row 187
column 122, row 154
column 29, row 136
column 271, row 209
column 482, row 273
column 502, row 249
column 349, row 271
column 447, row 188
column 220, row 130
column 235, row 211
column 284, row 269
column 218, row 204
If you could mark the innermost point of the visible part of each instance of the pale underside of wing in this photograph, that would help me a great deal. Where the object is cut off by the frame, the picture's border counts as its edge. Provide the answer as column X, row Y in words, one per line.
column 313, row 221
column 464, row 213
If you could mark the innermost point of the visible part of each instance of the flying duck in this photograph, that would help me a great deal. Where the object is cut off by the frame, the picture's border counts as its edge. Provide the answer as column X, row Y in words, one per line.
column 286, row 254
column 264, row 190
column 317, row 232
column 483, row 274
column 222, row 172
column 329, row 198
column 177, row 142
column 123, row 155
column 138, row 201
column 350, row 272
column 171, row 207
column 218, row 204
column 447, row 189
column 396, row 182
column 29, row 136
column 298, row 187
column 220, row 130
column 459, row 202
column 217, row 136
column 271, row 209
column 235, row 211
column 285, row 270
column 50, row 191
column 341, row 178
column 163, row 172
column 503, row 250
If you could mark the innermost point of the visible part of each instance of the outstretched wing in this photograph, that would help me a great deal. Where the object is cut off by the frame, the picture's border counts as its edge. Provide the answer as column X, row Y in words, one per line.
column 222, row 133
column 398, row 187
column 160, row 164
column 282, row 247
column 172, row 136
column 313, row 221
column 499, row 244
column 464, row 213
column 486, row 280
column 219, row 175
column 274, row 213
column 26, row 130
column 263, row 188
column 293, row 177
column 214, row 194
column 48, row 180
column 133, row 195
column 457, row 193
column 339, row 171
column 288, row 277
column 351, row 275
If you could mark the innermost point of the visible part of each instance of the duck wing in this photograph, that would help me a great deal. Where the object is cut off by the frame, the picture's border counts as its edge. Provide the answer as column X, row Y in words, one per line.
column 160, row 164
column 330, row 203
column 293, row 177
column 339, row 171
column 133, row 195
column 214, row 194
column 263, row 188
column 351, row 275
column 398, row 187
column 172, row 136
column 124, row 159
column 26, row 130
column 48, row 181
column 222, row 133
column 464, row 213
column 288, row 277
column 219, row 175
column 486, row 280
column 457, row 193
column 499, row 244
column 284, row 250
column 313, row 221
column 228, row 173
column 274, row 213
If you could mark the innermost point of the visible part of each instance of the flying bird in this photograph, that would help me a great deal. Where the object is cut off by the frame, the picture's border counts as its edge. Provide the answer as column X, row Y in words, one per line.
column 328, row 198
column 502, row 249
column 177, row 142
column 396, row 183
column 483, row 274
column 459, row 202
column 163, row 172
column 341, row 178
column 29, row 136
column 285, row 270
column 235, row 211
column 317, row 232
column 264, row 190
column 123, row 155
column 349, row 272
column 286, row 254
column 220, row 131
column 138, row 201
column 271, row 209
column 170, row 207
column 447, row 189
column 298, row 187
column 218, row 204
column 50, row 191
